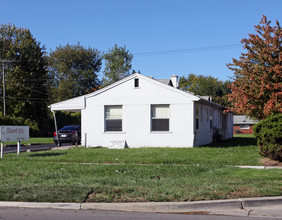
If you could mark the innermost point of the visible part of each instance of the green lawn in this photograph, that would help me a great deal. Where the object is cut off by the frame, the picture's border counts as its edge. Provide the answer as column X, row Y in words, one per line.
column 145, row 174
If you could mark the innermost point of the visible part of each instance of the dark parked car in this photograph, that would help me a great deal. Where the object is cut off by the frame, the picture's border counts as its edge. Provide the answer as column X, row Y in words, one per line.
column 68, row 134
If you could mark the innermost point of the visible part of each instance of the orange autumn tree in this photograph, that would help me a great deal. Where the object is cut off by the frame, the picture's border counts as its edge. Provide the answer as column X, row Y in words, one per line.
column 257, row 86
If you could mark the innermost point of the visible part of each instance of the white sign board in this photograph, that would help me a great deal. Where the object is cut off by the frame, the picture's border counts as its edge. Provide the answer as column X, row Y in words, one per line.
column 117, row 145
column 14, row 133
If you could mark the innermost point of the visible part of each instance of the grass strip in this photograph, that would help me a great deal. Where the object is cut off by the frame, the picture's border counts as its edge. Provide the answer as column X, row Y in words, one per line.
column 45, row 182
column 131, row 175
column 238, row 151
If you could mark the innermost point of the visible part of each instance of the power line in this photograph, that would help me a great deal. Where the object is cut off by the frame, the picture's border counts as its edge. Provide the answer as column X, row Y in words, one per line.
column 17, row 98
column 20, row 101
column 4, row 90
column 24, row 87
column 29, row 80
column 188, row 50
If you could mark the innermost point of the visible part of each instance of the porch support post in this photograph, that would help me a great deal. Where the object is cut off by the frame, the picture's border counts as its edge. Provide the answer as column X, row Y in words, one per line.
column 56, row 128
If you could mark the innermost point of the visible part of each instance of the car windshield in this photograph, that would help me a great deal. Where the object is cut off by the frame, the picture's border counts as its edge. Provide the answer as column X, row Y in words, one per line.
column 70, row 128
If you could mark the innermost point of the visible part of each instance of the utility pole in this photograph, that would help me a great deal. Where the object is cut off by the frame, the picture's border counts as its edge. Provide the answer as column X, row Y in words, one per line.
column 4, row 85
column 4, row 90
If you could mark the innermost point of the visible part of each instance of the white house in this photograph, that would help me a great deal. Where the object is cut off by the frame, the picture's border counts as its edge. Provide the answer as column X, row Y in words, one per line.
column 145, row 112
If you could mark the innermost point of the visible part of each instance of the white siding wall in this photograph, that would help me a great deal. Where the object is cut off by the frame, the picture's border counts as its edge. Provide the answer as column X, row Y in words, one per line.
column 203, row 134
column 136, row 116
column 224, row 124
column 229, row 130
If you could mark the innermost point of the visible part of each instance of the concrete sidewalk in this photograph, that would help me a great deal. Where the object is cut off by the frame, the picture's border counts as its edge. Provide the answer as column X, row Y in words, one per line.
column 260, row 167
column 257, row 207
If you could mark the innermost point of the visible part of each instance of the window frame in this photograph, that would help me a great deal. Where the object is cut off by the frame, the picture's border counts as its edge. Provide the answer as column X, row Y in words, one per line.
column 136, row 83
column 211, row 118
column 152, row 119
column 201, row 114
column 107, row 119
column 197, row 121
column 245, row 126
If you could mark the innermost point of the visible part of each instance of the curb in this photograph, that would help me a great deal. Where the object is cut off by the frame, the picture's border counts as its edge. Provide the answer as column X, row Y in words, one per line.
column 258, row 202
column 73, row 206
column 165, row 207
column 38, row 149
column 34, row 144
column 160, row 207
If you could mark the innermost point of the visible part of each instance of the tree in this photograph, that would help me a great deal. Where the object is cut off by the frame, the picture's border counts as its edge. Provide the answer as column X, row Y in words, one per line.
column 117, row 64
column 206, row 86
column 26, row 75
column 257, row 85
column 74, row 70
column 134, row 71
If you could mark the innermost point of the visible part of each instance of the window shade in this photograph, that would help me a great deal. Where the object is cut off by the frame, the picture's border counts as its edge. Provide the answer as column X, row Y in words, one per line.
column 160, row 111
column 113, row 112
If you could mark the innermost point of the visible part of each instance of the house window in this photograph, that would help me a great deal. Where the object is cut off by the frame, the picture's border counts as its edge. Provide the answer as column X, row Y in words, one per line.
column 160, row 118
column 136, row 83
column 201, row 114
column 197, row 117
column 113, row 118
column 244, row 126
column 211, row 119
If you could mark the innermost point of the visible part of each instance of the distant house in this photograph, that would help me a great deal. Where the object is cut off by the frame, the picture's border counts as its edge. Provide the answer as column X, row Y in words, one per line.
column 139, row 111
column 243, row 124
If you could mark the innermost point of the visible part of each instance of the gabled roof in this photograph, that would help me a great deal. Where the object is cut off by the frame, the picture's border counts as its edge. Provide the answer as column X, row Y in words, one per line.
column 165, row 81
column 138, row 75
column 78, row 103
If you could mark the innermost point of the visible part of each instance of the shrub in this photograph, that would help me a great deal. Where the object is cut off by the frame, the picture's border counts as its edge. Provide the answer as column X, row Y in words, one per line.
column 269, row 136
column 217, row 136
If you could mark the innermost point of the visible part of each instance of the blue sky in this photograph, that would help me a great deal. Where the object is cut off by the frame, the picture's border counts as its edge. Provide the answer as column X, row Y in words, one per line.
column 148, row 26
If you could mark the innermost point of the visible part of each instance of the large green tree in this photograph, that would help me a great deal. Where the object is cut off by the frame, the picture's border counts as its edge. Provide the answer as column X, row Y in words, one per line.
column 117, row 64
column 206, row 86
column 74, row 69
column 257, row 85
column 26, row 74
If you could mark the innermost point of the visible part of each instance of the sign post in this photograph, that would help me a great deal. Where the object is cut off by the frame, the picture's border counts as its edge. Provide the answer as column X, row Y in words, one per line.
column 2, row 149
column 13, row 133
column 18, row 147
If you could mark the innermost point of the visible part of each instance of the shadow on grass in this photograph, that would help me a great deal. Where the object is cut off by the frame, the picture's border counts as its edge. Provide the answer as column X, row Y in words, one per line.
column 235, row 142
column 47, row 154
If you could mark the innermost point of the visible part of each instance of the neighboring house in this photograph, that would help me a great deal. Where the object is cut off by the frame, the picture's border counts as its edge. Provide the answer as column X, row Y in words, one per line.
column 243, row 124
column 144, row 112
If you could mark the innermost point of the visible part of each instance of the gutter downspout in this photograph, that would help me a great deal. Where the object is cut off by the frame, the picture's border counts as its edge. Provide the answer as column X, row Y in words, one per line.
column 56, row 128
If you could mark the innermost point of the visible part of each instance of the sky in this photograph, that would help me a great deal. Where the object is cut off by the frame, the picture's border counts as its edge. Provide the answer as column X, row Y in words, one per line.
column 166, row 37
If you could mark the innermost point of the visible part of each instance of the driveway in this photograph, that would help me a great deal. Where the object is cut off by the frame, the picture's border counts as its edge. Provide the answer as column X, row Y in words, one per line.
column 33, row 148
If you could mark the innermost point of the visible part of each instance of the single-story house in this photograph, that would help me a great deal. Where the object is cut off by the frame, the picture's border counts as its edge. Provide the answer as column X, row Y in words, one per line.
column 140, row 111
column 243, row 124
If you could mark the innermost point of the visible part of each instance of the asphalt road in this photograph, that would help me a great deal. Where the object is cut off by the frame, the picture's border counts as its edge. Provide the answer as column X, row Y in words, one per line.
column 42, row 214
column 32, row 148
